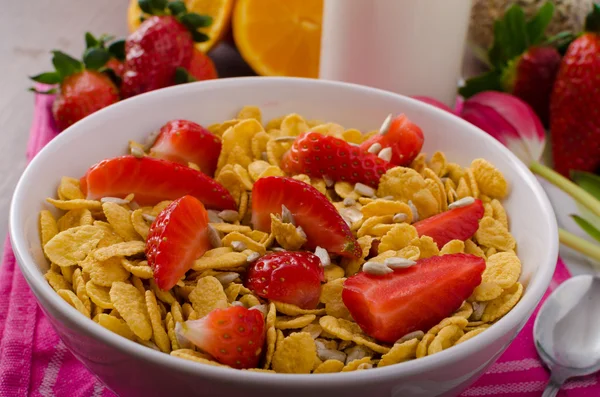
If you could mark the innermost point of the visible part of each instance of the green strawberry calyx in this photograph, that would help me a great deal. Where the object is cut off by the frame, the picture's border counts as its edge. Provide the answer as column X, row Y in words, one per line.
column 190, row 20
column 592, row 21
column 513, row 36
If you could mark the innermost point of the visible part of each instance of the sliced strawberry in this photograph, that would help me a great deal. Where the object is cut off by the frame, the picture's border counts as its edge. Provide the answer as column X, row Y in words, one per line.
column 177, row 237
column 234, row 336
column 152, row 180
column 459, row 223
column 289, row 277
column 320, row 155
column 403, row 137
column 411, row 299
column 320, row 220
column 184, row 141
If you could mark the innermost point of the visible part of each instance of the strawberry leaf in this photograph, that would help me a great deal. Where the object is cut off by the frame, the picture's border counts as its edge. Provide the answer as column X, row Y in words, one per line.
column 587, row 227
column 588, row 182
column 95, row 58
column 117, row 49
column 199, row 37
column 536, row 27
column 182, row 76
column 177, row 8
column 592, row 21
column 516, row 32
column 90, row 40
column 484, row 82
column 195, row 21
column 47, row 92
column 65, row 64
column 47, row 78
column 145, row 6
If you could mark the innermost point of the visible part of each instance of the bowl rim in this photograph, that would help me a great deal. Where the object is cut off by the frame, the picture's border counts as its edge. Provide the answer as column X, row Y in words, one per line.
column 516, row 318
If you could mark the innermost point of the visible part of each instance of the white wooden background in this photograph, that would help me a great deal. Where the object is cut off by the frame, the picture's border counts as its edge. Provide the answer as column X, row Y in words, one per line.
column 31, row 28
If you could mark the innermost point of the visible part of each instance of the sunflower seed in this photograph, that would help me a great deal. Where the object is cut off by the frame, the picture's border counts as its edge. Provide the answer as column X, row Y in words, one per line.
column 323, row 255
column 134, row 206
column 415, row 212
column 385, row 126
column 385, row 154
column 328, row 181
column 356, row 353
column 238, row 246
column 115, row 200
column 264, row 156
column 411, row 335
column 365, row 366
column 399, row 217
column 151, row 139
column 376, row 268
column 349, row 201
column 478, row 308
column 374, row 148
column 182, row 341
column 136, row 151
column 463, row 202
column 285, row 138
column 329, row 354
column 237, row 303
column 387, row 198
column 227, row 277
column 286, row 215
column 229, row 215
column 351, row 214
column 278, row 249
column 300, row 232
column 313, row 329
column 261, row 308
column 214, row 237
column 213, row 216
column 148, row 217
column 364, row 190
column 252, row 256
column 399, row 263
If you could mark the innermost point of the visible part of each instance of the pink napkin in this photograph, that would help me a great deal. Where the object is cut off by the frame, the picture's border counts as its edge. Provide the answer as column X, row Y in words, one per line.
column 34, row 362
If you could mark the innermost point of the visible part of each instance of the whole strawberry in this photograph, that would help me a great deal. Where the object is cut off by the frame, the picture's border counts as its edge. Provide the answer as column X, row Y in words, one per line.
column 163, row 43
column 574, row 121
column 524, row 62
column 83, row 88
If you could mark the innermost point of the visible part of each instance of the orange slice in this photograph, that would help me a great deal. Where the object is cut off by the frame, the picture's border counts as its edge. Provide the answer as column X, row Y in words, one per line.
column 279, row 37
column 220, row 10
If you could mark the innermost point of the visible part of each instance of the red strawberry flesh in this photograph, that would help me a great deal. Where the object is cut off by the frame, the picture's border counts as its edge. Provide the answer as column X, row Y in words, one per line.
column 459, row 223
column 289, row 277
column 320, row 155
column 234, row 336
column 319, row 219
column 184, row 141
column 152, row 180
column 404, row 138
column 412, row 299
column 177, row 237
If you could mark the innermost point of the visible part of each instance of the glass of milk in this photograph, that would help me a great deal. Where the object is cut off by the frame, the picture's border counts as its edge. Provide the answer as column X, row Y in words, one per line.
column 412, row 47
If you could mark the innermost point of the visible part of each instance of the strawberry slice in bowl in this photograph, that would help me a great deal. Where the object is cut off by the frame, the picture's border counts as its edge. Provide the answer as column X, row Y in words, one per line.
column 153, row 180
column 399, row 141
column 234, row 336
column 387, row 307
column 311, row 210
column 460, row 222
column 177, row 237
column 289, row 277
column 184, row 141
column 319, row 155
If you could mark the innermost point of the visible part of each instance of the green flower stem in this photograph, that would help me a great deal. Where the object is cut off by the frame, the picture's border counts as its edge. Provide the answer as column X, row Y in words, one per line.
column 567, row 186
column 583, row 246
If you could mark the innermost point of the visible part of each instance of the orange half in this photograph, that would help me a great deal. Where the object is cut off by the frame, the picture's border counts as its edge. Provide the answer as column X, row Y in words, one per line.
column 279, row 37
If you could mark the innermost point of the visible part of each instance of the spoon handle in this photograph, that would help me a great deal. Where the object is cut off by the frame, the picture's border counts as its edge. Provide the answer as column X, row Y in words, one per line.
column 552, row 388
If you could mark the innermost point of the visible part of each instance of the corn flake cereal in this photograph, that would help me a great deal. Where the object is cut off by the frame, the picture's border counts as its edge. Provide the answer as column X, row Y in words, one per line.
column 331, row 296
column 131, row 304
column 398, row 237
column 453, row 247
column 159, row 335
column 503, row 269
column 72, row 245
column 400, row 352
column 491, row 182
column 492, row 233
column 294, row 322
column 329, row 367
column 295, row 354
column 286, row 234
column 74, row 301
column 502, row 305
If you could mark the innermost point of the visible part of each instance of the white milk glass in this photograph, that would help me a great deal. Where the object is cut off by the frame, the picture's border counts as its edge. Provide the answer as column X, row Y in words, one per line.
column 412, row 47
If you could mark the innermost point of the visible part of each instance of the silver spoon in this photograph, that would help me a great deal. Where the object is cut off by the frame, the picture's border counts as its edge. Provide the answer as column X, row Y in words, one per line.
column 567, row 331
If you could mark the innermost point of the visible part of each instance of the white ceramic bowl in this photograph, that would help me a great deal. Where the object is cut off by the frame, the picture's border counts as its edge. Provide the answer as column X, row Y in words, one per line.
column 131, row 369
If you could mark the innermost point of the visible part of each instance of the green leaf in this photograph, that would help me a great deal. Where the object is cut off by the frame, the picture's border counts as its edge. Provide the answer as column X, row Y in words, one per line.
column 47, row 92
column 90, row 40
column 145, row 5
column 158, row 6
column 112, row 75
column 177, row 8
column 47, row 78
column 194, row 21
column 65, row 64
column 489, row 81
column 95, row 58
column 182, row 76
column 536, row 27
column 592, row 21
column 516, row 28
column 588, row 182
column 587, row 227
column 117, row 49
column 199, row 37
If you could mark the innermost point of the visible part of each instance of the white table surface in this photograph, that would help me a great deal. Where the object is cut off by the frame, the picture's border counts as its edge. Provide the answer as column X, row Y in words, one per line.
column 30, row 29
